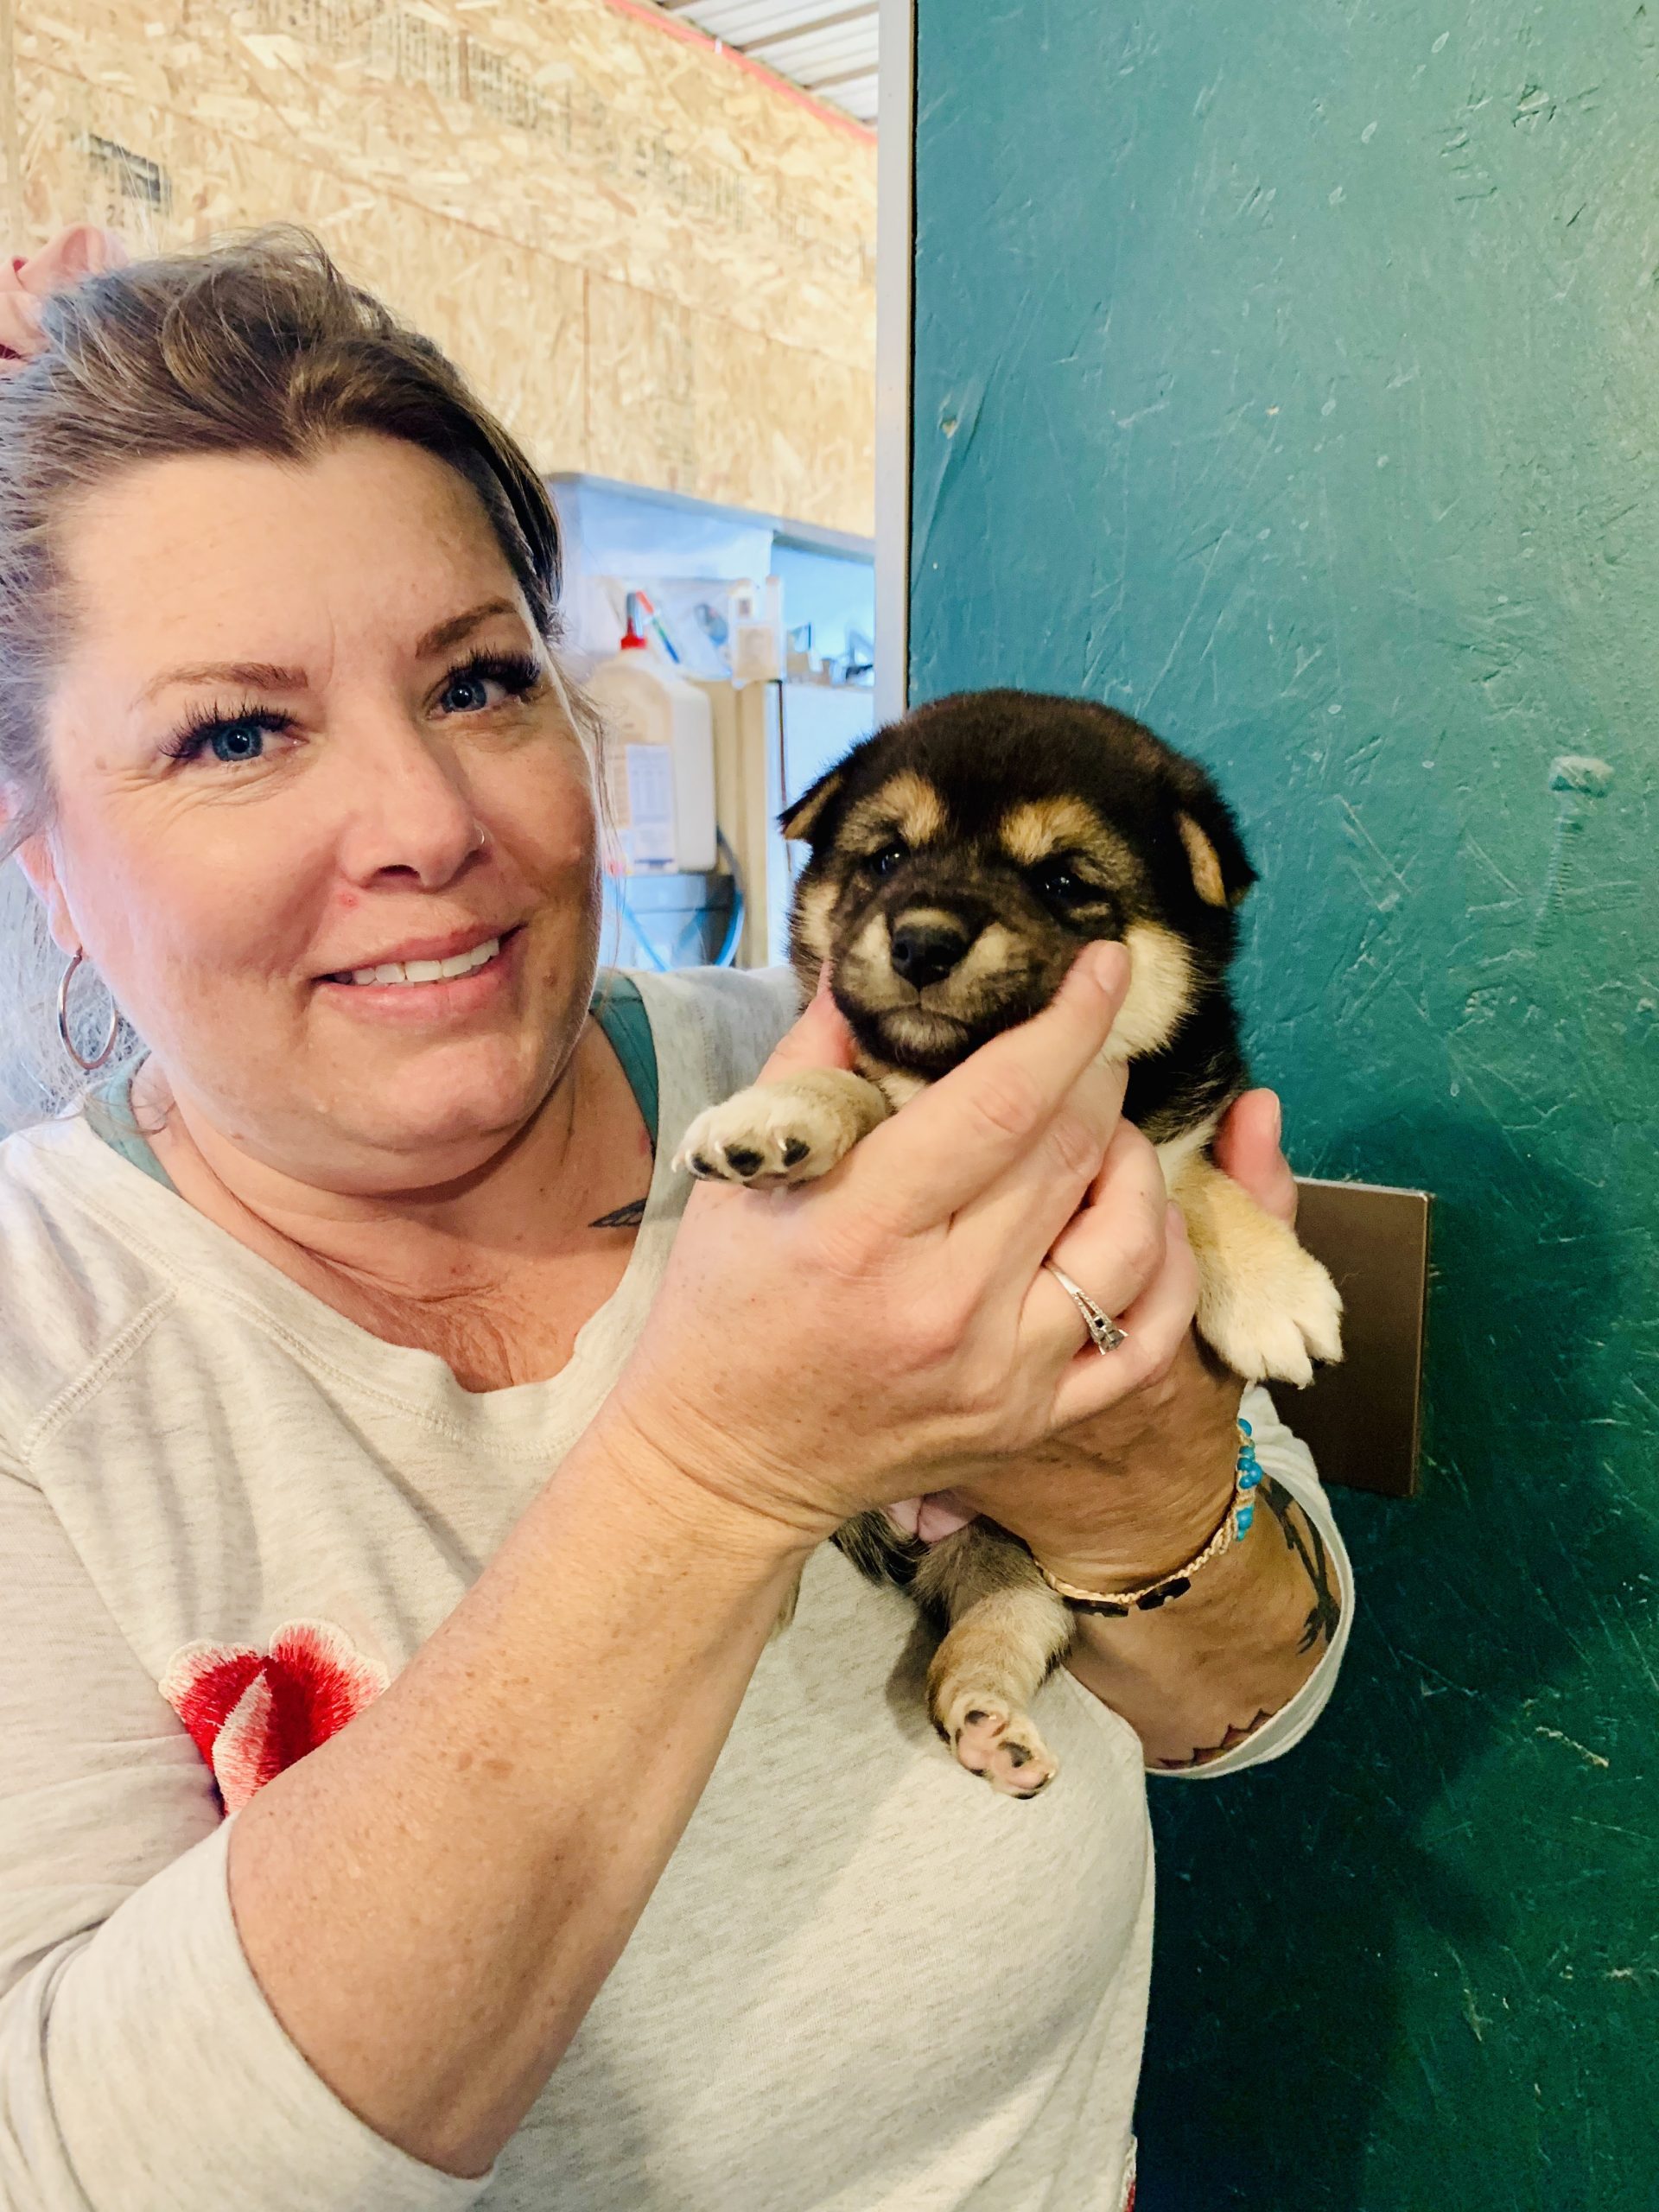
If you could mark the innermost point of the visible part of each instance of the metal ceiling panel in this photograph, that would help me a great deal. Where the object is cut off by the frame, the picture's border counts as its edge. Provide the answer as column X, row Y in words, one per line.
column 829, row 48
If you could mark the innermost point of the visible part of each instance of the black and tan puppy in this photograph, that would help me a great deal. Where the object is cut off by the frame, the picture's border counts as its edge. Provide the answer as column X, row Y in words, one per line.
column 959, row 859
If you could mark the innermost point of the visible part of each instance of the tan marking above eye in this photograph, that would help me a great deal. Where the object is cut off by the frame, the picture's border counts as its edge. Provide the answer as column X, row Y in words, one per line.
column 1207, row 878
column 1036, row 828
column 906, row 810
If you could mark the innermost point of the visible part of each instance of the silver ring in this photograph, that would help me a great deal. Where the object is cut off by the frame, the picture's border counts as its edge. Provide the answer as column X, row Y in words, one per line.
column 87, row 1067
column 1104, row 1332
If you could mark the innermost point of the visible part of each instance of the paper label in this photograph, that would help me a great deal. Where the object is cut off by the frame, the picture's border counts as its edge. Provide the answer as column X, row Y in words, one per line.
column 647, row 836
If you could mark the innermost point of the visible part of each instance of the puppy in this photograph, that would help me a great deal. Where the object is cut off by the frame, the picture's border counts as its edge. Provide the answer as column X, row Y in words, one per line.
column 958, row 859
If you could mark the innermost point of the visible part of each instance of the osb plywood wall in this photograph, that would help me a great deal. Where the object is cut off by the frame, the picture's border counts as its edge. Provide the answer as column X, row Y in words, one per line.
column 656, row 265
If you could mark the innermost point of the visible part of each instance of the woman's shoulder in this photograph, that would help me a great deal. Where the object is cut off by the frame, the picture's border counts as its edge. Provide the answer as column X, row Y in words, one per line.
column 70, row 1286
column 734, row 1017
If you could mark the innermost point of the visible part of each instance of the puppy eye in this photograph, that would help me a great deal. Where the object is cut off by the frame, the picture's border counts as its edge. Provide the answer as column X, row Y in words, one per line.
column 1055, row 879
column 885, row 861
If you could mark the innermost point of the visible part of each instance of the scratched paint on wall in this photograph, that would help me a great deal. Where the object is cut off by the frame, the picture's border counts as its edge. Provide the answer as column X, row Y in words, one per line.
column 1291, row 380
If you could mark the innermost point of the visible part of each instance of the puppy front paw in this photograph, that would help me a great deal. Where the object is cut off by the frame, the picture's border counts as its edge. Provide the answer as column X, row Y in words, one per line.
column 1271, row 1320
column 778, row 1133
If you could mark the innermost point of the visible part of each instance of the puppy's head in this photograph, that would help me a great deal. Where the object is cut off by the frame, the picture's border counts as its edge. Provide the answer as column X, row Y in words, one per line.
column 960, row 857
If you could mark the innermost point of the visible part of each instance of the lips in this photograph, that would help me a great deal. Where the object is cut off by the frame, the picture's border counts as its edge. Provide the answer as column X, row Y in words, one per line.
column 433, row 963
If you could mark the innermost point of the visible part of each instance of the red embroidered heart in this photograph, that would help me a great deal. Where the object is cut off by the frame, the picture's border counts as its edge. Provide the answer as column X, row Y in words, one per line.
column 250, row 1713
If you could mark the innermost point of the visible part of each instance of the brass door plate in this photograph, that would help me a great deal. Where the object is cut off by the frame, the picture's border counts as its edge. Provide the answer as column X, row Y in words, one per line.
column 1363, row 1420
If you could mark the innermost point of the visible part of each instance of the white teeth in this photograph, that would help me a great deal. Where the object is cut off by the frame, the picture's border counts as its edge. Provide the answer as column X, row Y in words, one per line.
column 428, row 971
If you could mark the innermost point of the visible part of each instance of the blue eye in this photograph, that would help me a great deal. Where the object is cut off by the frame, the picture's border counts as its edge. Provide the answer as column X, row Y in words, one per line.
column 488, row 680
column 234, row 742
column 465, row 694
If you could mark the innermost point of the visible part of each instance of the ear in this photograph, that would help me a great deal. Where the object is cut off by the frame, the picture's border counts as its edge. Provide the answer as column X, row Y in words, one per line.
column 798, row 821
column 35, row 858
column 1221, row 868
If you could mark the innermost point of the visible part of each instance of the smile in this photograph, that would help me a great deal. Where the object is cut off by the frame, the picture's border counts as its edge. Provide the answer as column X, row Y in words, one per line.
column 424, row 971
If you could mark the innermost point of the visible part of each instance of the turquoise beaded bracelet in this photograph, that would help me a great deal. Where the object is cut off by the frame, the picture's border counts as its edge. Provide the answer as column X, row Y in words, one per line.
column 1235, row 1527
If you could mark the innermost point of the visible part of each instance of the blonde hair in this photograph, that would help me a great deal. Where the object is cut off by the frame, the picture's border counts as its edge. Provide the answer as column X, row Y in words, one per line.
column 259, row 345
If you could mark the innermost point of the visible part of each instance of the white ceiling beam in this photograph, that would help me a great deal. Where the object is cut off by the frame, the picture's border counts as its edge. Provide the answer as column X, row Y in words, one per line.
column 840, row 77
column 756, row 46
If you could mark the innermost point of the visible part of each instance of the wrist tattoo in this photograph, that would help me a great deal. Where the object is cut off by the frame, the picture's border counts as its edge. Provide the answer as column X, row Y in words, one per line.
column 1303, row 1538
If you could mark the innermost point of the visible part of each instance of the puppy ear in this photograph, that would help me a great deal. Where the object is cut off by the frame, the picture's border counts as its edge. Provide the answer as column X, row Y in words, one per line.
column 1221, row 869
column 798, row 821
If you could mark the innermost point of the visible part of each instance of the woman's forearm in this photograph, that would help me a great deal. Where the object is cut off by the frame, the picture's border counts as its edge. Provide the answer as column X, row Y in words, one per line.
column 432, row 1899
column 1196, row 1676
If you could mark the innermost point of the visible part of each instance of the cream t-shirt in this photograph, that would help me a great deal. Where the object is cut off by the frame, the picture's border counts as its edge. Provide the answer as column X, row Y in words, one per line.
column 864, row 1983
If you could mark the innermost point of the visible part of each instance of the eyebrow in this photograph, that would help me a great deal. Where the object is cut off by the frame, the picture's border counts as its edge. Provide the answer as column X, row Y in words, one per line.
column 461, row 625
column 249, row 674
column 266, row 675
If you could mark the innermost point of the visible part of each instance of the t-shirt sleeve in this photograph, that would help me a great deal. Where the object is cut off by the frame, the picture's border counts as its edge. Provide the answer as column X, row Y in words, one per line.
column 1289, row 1462
column 141, row 2068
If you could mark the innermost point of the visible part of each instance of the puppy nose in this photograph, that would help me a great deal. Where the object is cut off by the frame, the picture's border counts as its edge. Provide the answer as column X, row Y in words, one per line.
column 925, row 950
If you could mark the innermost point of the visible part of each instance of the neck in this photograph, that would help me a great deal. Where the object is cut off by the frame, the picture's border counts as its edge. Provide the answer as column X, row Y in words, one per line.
column 415, row 1267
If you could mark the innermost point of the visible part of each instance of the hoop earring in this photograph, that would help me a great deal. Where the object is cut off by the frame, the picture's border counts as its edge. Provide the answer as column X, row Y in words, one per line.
column 87, row 1067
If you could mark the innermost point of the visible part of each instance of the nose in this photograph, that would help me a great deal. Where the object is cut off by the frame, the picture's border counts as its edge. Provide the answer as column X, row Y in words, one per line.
column 926, row 947
column 410, row 813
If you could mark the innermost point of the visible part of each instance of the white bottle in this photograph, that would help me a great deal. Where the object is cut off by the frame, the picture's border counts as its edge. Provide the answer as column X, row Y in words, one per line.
column 659, row 761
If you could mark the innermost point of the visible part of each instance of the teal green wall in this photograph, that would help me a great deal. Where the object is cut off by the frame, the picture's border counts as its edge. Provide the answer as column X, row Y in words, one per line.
column 1289, row 376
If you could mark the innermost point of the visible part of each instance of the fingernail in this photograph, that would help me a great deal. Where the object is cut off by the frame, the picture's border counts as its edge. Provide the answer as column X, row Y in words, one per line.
column 1278, row 1116
column 1108, row 964
column 822, row 991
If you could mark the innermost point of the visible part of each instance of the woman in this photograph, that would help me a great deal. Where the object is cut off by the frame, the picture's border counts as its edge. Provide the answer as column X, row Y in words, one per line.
column 330, row 1397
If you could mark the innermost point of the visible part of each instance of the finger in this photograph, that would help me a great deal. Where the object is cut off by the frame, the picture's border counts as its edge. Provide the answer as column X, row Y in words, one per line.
column 954, row 1141
column 1015, row 1220
column 1113, row 1249
column 1156, row 1326
column 1247, row 1149
column 820, row 1039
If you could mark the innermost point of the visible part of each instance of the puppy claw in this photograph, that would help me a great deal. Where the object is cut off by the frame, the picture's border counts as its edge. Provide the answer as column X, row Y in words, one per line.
column 725, row 1145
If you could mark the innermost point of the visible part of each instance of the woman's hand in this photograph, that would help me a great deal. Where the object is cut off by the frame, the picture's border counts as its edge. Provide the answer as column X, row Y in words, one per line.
column 810, row 1352
column 26, row 280
column 1138, row 1489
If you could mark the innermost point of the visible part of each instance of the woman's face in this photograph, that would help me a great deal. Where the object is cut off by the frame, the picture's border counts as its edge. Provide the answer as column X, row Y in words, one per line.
column 305, row 744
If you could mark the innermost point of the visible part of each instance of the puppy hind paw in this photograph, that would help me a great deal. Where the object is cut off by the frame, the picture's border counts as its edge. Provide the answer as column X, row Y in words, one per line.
column 999, row 1743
